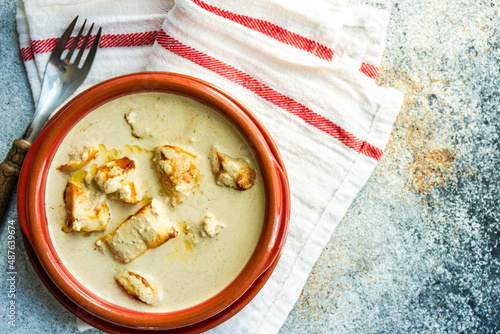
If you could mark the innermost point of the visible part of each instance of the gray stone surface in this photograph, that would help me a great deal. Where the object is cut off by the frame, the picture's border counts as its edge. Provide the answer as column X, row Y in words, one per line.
column 419, row 249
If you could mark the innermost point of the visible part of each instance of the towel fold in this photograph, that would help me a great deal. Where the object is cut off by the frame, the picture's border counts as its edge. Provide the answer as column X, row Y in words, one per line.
column 306, row 70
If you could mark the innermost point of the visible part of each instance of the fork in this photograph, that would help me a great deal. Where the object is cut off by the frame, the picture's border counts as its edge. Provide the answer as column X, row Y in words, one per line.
column 62, row 78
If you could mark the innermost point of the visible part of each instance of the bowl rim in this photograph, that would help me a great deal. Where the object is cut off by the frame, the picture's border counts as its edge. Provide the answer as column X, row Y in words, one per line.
column 269, row 245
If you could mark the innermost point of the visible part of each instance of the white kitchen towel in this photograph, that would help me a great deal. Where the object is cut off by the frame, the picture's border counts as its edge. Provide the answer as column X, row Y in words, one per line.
column 305, row 70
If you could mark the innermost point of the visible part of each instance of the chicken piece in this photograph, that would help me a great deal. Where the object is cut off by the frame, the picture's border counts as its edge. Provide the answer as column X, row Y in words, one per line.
column 79, row 159
column 147, row 228
column 113, row 178
column 109, row 176
column 210, row 227
column 177, row 172
column 190, row 239
column 84, row 214
column 140, row 287
column 232, row 172
column 126, row 193
column 138, row 129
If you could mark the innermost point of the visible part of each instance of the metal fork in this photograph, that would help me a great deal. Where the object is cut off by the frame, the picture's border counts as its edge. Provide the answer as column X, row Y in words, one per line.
column 62, row 78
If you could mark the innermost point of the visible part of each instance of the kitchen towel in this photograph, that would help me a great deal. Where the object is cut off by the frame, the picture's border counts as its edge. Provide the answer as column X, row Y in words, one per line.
column 306, row 70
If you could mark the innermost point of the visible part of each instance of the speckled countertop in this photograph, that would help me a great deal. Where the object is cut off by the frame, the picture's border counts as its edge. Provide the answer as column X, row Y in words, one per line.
column 419, row 249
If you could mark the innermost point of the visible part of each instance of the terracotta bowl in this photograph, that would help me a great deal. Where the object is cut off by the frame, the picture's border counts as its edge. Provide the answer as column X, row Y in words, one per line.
column 108, row 316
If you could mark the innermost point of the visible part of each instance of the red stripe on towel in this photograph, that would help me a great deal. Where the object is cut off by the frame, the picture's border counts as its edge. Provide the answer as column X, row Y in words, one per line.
column 125, row 40
column 269, row 94
column 272, row 30
column 148, row 38
column 43, row 46
column 369, row 70
column 27, row 54
column 107, row 41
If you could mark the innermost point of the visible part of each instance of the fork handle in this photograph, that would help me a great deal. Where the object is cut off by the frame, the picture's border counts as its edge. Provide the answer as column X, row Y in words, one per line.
column 9, row 172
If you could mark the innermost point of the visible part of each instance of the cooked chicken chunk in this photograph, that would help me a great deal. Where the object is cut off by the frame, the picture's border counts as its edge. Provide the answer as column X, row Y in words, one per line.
column 232, row 172
column 84, row 214
column 140, row 286
column 79, row 158
column 210, row 227
column 109, row 176
column 147, row 228
column 138, row 129
column 189, row 235
column 177, row 172
column 113, row 178
column 126, row 193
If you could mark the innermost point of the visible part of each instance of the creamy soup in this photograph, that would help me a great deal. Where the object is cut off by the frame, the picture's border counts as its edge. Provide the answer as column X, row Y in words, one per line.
column 191, row 267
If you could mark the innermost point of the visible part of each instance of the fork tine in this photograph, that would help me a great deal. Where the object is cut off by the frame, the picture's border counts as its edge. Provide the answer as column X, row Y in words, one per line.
column 61, row 44
column 84, row 45
column 75, row 43
column 93, row 50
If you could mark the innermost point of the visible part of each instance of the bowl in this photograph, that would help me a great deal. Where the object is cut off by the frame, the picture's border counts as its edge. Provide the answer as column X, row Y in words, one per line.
column 102, row 313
